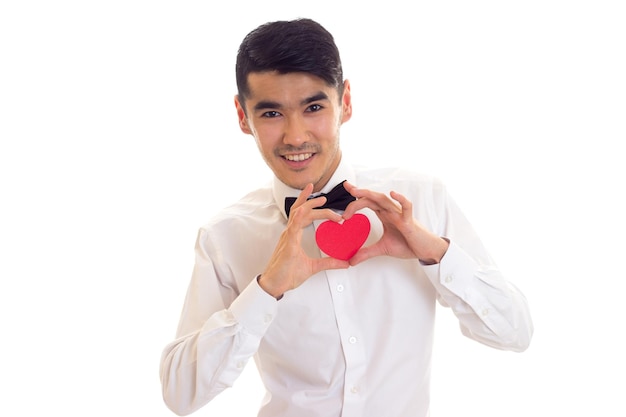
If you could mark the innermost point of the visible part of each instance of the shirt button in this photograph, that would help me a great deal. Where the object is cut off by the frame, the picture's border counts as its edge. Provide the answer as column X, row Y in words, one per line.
column 268, row 318
column 485, row 312
column 240, row 365
column 449, row 278
column 352, row 340
column 340, row 288
column 354, row 390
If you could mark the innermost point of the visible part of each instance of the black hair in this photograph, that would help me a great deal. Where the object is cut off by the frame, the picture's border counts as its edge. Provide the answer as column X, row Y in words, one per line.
column 300, row 45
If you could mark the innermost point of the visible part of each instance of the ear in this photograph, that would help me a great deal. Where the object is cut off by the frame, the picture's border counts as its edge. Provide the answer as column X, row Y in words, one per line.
column 346, row 102
column 241, row 115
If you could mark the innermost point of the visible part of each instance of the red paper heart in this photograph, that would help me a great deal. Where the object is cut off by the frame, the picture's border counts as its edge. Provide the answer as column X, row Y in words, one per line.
column 343, row 240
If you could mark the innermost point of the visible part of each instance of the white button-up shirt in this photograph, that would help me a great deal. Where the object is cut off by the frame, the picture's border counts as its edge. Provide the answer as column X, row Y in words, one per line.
column 354, row 342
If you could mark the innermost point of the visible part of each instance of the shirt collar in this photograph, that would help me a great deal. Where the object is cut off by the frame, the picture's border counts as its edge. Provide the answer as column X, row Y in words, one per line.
column 281, row 190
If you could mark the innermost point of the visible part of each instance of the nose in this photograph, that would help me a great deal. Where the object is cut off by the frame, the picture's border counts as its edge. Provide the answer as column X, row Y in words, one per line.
column 295, row 131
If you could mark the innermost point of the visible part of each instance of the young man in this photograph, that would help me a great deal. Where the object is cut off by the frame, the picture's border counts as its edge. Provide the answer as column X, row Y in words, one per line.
column 331, row 336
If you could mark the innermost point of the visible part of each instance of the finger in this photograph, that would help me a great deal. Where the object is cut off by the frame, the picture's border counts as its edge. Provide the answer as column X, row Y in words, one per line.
column 405, row 204
column 355, row 206
column 306, row 213
column 304, row 194
column 365, row 253
column 364, row 193
column 372, row 200
column 376, row 197
column 317, row 202
column 326, row 214
column 350, row 188
column 301, row 200
column 355, row 191
column 360, row 202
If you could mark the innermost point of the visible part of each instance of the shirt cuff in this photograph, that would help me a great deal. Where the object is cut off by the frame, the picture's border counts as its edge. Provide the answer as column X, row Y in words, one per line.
column 455, row 270
column 254, row 309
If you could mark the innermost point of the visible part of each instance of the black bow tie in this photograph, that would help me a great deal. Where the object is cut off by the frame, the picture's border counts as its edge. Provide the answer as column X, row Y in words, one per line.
column 337, row 198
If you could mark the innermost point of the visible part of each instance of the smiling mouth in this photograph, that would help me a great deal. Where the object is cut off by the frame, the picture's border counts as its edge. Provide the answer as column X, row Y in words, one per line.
column 298, row 157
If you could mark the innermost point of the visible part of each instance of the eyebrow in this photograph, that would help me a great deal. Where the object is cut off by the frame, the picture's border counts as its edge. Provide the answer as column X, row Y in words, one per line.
column 316, row 97
column 266, row 104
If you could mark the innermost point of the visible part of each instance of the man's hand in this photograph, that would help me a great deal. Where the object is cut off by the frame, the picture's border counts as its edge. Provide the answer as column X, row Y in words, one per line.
column 403, row 236
column 289, row 265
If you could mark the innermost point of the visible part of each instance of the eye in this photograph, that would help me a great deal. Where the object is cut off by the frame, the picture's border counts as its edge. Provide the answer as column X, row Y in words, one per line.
column 314, row 108
column 270, row 114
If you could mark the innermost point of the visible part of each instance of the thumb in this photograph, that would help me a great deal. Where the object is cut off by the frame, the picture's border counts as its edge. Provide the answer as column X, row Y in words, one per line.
column 364, row 254
column 326, row 263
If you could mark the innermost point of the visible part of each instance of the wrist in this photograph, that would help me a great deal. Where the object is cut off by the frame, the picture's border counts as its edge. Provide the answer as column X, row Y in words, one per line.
column 437, row 252
column 264, row 284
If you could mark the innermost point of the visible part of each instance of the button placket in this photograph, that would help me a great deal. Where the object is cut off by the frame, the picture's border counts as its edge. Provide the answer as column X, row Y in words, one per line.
column 350, row 335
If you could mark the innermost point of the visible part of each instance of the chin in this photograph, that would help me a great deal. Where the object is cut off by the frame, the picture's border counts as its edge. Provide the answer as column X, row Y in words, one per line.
column 298, row 183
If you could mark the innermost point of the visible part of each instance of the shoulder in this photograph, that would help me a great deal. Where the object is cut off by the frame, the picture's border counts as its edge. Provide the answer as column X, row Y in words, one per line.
column 255, row 207
column 400, row 179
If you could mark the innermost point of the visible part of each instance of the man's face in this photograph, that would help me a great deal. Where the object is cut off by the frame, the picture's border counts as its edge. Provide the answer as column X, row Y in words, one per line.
column 295, row 119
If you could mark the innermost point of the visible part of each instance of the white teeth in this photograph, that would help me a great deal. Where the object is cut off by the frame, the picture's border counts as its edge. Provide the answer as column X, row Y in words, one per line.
column 299, row 157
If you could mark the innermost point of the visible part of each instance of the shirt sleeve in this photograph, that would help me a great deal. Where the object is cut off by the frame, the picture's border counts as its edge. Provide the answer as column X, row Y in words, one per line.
column 214, row 340
column 490, row 309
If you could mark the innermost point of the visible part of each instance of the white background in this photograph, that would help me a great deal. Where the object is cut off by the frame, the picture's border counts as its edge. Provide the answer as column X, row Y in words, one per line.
column 118, row 133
